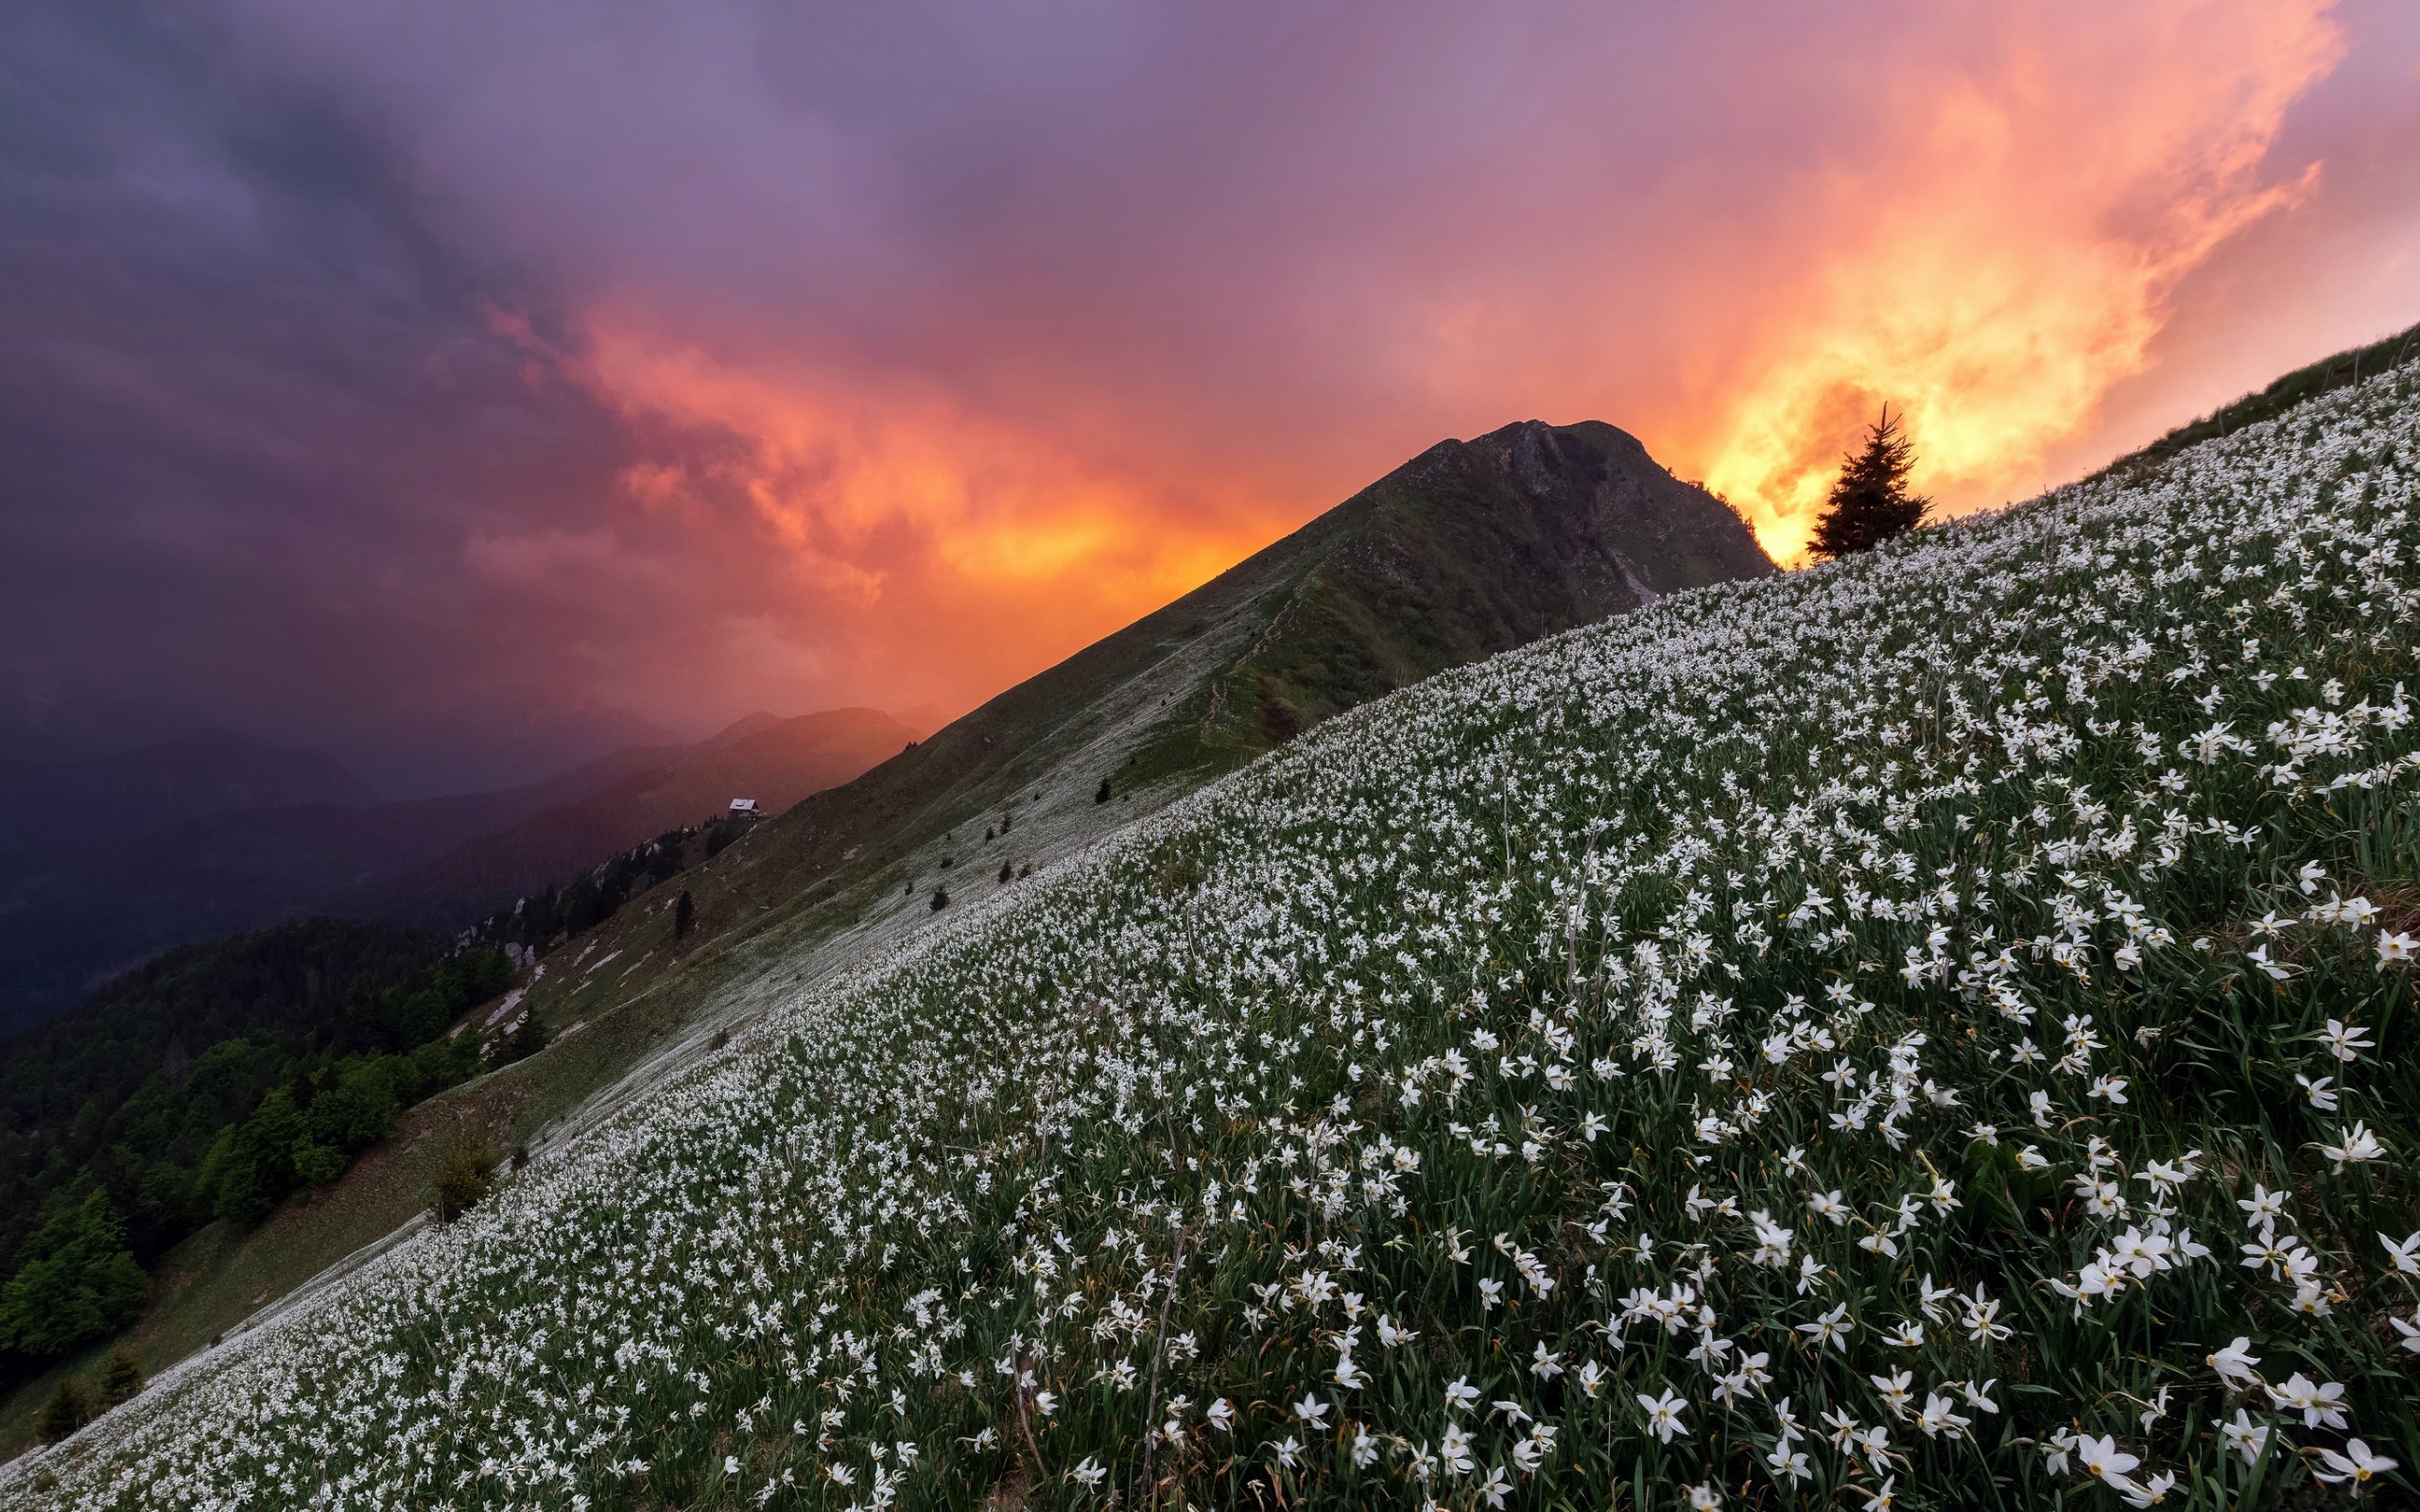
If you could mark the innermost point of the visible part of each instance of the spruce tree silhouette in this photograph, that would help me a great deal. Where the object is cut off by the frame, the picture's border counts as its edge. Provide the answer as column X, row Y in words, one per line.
column 1870, row 501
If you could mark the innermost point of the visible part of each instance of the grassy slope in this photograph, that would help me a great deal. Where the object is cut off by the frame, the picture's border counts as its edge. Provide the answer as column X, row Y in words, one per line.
column 1468, row 549
column 2326, row 376
column 1681, row 927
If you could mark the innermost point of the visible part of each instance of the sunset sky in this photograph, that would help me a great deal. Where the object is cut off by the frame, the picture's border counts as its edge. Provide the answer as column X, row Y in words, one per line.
column 464, row 387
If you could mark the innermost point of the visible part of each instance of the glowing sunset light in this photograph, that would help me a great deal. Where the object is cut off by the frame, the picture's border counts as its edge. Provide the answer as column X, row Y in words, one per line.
column 2009, row 251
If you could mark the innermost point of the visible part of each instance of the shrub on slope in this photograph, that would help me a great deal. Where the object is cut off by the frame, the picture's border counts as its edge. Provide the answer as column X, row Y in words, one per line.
column 1932, row 1028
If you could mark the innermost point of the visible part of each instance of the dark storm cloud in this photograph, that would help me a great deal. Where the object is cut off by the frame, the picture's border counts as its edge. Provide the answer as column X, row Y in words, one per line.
column 255, row 393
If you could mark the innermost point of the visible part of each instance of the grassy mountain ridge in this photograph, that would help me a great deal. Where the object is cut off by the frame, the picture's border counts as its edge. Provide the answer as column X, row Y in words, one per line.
column 1836, row 1039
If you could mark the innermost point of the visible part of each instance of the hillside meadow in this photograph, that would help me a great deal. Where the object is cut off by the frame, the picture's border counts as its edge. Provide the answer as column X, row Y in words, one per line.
column 1930, row 1030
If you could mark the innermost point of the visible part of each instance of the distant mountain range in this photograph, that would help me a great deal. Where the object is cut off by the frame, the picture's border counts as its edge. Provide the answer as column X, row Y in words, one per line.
column 104, row 862
column 57, row 805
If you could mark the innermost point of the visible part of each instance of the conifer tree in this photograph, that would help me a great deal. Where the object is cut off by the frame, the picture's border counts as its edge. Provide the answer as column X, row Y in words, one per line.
column 68, row 1409
column 121, row 1378
column 685, row 916
column 1870, row 501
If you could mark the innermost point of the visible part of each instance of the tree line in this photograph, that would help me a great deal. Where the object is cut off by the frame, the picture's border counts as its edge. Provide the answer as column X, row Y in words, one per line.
column 118, row 1140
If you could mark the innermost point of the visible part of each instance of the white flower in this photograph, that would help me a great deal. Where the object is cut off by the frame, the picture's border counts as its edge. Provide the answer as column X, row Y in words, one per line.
column 2356, row 1464
column 1456, row 1451
column 2404, row 1254
column 1789, row 1465
column 1833, row 1328
column 2316, row 1401
column 2147, row 1493
column 2234, row 1362
column 1705, row 1498
column 2056, row 1448
column 1221, row 1415
column 1940, row 1417
column 1089, row 1471
column 2245, row 1436
column 2322, row 1096
column 1894, row 1390
column 2359, row 1145
column 1544, row 1365
column 2397, row 949
column 2346, row 1042
column 1591, row 1378
column 2103, row 1457
column 1664, row 1413
column 1460, row 1393
column 1288, row 1451
column 1494, row 1486
column 2263, row 1206
column 1310, row 1409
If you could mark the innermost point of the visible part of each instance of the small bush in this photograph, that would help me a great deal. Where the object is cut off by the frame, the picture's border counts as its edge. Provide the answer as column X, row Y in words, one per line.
column 462, row 1183
column 67, row 1410
column 941, row 898
column 319, row 1164
column 1103, row 795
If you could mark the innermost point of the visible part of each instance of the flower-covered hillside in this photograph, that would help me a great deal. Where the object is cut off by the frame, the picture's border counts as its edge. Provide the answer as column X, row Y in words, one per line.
column 1935, row 1029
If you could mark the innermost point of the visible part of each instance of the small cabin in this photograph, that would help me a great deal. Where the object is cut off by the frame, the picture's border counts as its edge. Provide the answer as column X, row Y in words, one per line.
column 745, row 808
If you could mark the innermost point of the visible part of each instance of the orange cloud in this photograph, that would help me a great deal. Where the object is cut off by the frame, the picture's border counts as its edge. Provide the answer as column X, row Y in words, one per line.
column 969, row 550
column 2003, row 251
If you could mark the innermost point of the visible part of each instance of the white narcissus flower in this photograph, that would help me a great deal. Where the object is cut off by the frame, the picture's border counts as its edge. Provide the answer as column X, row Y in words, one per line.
column 1089, row 1471
column 2316, row 1401
column 1664, row 1413
column 2411, row 1331
column 2234, row 1361
column 1494, row 1486
column 2149, row 1493
column 2103, row 1457
column 2357, row 1464
column 2403, row 1253
column 2245, row 1436
column 2359, row 1145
